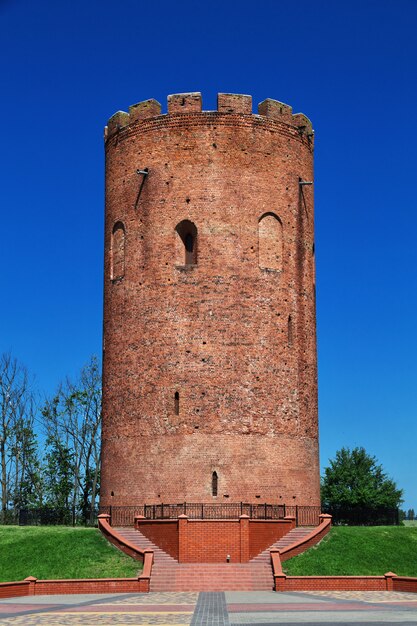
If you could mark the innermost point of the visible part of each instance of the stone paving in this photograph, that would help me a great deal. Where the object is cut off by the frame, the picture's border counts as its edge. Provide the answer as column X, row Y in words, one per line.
column 230, row 608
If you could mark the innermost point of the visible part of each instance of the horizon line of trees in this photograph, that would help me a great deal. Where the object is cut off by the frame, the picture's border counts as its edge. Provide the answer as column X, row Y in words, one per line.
column 49, row 450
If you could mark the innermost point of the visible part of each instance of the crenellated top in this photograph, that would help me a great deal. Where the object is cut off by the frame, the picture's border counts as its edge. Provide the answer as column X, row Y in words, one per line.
column 227, row 103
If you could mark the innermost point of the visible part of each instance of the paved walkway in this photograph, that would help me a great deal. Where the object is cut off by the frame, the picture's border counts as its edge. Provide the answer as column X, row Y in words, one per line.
column 230, row 608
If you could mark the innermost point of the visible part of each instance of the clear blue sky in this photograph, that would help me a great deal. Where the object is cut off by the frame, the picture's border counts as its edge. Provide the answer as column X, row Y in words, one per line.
column 68, row 65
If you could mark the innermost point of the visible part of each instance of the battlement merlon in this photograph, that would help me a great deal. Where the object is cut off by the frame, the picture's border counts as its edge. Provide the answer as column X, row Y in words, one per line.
column 227, row 103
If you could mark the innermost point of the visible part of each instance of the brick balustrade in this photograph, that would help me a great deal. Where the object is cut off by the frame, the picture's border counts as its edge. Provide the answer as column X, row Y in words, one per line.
column 213, row 541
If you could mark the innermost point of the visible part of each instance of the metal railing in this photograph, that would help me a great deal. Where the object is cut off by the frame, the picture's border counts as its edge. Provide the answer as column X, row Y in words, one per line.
column 363, row 516
column 124, row 515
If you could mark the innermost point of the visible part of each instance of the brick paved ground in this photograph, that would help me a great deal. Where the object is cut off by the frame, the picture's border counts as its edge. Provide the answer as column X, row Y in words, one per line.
column 213, row 609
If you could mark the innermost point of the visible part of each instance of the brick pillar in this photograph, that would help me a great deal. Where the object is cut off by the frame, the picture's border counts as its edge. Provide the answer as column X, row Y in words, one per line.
column 324, row 516
column 291, row 519
column 136, row 521
column 389, row 583
column 182, row 538
column 244, row 538
column 32, row 583
column 280, row 582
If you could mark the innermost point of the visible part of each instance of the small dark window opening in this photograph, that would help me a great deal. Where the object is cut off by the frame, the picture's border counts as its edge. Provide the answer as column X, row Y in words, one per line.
column 189, row 249
column 290, row 331
column 187, row 233
column 214, row 484
column 177, row 403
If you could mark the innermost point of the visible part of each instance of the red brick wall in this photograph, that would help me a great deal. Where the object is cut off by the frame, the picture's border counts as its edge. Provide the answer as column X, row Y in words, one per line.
column 332, row 583
column 215, row 332
column 210, row 542
column 14, row 589
column 162, row 533
column 402, row 583
column 50, row 587
column 106, row 585
column 263, row 533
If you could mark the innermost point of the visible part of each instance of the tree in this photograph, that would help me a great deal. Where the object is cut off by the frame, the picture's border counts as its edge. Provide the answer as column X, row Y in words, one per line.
column 355, row 479
column 410, row 514
column 26, row 464
column 72, row 421
column 18, row 447
column 59, row 472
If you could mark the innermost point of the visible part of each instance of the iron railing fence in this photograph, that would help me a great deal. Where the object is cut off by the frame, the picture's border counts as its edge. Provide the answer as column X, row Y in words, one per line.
column 304, row 515
column 46, row 516
column 363, row 516
column 124, row 515
column 9, row 517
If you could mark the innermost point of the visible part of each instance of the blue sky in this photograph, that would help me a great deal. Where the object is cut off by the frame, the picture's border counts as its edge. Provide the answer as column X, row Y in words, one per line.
column 67, row 66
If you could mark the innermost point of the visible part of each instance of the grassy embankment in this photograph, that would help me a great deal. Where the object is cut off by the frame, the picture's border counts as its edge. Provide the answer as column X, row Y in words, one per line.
column 358, row 550
column 60, row 552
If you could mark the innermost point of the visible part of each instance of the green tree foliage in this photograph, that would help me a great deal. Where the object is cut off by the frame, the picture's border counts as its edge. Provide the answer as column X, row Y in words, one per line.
column 28, row 477
column 72, row 421
column 19, row 463
column 59, row 472
column 410, row 514
column 354, row 478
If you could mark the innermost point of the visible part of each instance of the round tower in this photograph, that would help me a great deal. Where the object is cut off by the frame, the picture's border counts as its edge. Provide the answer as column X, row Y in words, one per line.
column 210, row 367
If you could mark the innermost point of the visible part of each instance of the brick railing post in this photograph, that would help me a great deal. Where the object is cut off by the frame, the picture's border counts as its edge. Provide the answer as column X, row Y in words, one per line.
column 105, row 517
column 182, row 539
column 137, row 519
column 244, row 538
column 32, row 584
column 389, row 585
column 291, row 519
column 324, row 516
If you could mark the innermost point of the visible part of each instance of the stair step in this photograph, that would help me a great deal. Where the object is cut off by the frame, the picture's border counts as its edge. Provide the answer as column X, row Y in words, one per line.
column 293, row 536
column 169, row 575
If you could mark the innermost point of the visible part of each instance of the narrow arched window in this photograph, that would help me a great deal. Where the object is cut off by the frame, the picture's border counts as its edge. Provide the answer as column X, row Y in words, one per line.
column 186, row 243
column 290, row 331
column 214, row 484
column 270, row 242
column 177, row 403
column 117, row 251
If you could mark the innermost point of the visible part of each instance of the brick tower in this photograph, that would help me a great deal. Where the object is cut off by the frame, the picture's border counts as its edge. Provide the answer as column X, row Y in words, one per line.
column 209, row 377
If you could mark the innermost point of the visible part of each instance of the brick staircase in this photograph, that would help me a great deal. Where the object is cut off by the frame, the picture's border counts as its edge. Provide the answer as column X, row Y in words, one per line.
column 169, row 575
column 294, row 535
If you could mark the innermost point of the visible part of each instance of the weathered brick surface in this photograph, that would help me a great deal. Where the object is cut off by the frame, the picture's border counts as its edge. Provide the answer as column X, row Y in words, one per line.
column 216, row 331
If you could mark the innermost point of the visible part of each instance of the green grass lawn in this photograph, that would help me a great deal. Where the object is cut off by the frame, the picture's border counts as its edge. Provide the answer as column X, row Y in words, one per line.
column 350, row 550
column 60, row 552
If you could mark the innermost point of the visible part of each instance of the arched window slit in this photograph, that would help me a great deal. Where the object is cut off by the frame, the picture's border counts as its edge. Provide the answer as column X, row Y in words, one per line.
column 290, row 331
column 270, row 240
column 214, row 484
column 186, row 243
column 117, row 251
